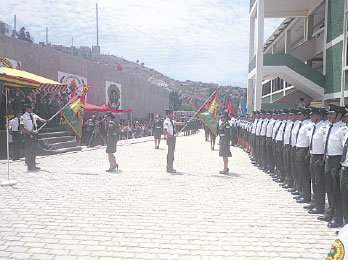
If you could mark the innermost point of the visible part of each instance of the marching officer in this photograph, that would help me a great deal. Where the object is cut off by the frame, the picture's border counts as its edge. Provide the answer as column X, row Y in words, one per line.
column 287, row 150
column 225, row 138
column 157, row 130
column 28, row 126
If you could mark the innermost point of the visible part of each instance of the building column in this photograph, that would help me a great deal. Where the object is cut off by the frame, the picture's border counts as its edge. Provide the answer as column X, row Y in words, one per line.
column 259, row 55
column 251, row 56
column 310, row 24
column 287, row 41
column 250, row 93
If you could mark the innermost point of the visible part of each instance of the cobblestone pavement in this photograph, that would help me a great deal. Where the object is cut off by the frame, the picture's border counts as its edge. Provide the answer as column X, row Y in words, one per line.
column 73, row 209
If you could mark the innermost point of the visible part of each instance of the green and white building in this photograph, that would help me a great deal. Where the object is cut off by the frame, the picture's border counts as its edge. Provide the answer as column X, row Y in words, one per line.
column 305, row 57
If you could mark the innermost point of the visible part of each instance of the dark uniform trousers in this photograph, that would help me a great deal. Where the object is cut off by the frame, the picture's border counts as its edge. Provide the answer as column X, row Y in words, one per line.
column 279, row 155
column 16, row 145
column 332, row 184
column 269, row 152
column 257, row 148
column 263, row 153
column 316, row 166
column 304, row 175
column 30, row 150
column 344, row 193
column 171, row 148
column 286, row 161
column 293, row 167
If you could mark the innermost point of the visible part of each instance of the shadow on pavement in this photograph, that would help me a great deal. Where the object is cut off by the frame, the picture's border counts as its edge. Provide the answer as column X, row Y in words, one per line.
column 227, row 175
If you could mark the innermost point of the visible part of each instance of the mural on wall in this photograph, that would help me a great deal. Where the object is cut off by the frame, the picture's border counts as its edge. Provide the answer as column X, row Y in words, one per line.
column 8, row 63
column 75, row 83
column 113, row 95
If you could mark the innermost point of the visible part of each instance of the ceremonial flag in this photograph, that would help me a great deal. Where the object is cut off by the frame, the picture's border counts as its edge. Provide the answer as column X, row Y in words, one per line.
column 231, row 108
column 73, row 113
column 207, row 114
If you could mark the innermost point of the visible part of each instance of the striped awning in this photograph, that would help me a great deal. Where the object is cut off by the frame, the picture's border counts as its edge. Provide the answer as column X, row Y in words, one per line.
column 22, row 79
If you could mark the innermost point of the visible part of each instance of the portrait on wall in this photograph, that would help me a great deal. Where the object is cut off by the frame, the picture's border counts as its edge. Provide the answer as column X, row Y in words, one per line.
column 75, row 83
column 113, row 95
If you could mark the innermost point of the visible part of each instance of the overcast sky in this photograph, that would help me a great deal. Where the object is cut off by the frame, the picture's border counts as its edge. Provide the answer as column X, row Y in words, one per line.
column 200, row 40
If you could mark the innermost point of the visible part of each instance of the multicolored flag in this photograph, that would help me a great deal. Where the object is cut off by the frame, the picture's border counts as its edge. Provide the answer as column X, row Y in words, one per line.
column 73, row 113
column 207, row 114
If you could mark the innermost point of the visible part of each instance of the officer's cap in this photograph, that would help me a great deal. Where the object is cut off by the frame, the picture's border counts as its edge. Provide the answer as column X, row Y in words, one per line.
column 28, row 105
column 292, row 111
column 333, row 108
column 314, row 110
column 169, row 111
column 18, row 112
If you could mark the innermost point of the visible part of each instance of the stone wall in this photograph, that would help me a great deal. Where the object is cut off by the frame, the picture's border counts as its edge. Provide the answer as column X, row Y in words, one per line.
column 138, row 94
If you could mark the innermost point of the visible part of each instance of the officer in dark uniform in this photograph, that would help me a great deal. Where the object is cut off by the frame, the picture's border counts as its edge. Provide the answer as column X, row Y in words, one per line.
column 112, row 130
column 157, row 130
column 225, row 138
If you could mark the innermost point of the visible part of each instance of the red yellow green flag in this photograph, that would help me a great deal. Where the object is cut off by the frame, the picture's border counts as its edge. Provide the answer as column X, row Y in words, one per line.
column 73, row 113
column 207, row 114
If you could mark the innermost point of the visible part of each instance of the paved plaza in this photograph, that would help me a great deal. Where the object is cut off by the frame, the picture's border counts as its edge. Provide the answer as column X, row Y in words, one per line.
column 73, row 209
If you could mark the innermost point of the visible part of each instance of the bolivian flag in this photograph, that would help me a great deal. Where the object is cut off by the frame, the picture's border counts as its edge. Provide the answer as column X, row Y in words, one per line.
column 73, row 113
column 207, row 114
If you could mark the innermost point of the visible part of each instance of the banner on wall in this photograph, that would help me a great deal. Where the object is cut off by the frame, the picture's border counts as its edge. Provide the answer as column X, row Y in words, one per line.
column 75, row 83
column 8, row 63
column 113, row 95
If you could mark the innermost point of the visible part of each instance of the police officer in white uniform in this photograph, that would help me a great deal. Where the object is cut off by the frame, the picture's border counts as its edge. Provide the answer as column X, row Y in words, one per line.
column 169, row 132
column 28, row 126
column 16, row 136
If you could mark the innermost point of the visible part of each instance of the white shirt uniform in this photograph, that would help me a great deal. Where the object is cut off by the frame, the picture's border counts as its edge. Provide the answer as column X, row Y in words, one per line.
column 270, row 127
column 264, row 127
column 253, row 131
column 288, row 132
column 27, row 123
column 345, row 163
column 294, row 132
column 302, row 137
column 339, row 247
column 14, row 124
column 275, row 128
column 334, row 144
column 279, row 136
column 258, row 127
column 318, row 143
column 169, row 126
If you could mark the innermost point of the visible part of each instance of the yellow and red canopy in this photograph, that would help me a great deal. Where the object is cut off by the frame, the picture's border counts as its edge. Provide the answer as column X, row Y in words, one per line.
column 22, row 79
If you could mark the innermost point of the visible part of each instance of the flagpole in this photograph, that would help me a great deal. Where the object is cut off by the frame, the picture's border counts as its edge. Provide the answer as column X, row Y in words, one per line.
column 8, row 182
column 194, row 115
column 69, row 103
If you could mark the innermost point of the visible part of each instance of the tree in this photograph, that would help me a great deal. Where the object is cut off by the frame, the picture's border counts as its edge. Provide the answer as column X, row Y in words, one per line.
column 174, row 100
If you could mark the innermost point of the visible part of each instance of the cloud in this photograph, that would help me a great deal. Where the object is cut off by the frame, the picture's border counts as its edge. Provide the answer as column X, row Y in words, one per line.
column 202, row 40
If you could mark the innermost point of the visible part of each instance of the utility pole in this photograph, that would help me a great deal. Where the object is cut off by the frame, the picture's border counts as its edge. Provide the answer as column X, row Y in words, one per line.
column 96, row 11
column 72, row 41
column 15, row 24
column 46, row 35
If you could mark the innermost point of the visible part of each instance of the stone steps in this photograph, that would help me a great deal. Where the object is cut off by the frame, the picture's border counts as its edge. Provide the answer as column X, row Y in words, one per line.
column 56, row 140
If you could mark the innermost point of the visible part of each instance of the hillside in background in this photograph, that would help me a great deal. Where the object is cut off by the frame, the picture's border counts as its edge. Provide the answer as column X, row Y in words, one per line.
column 185, row 95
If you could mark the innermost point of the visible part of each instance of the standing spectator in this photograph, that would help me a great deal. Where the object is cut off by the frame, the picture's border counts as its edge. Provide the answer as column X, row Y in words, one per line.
column 301, row 103
column 90, row 129
column 102, row 130
column 21, row 34
column 16, row 136
column 27, row 37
